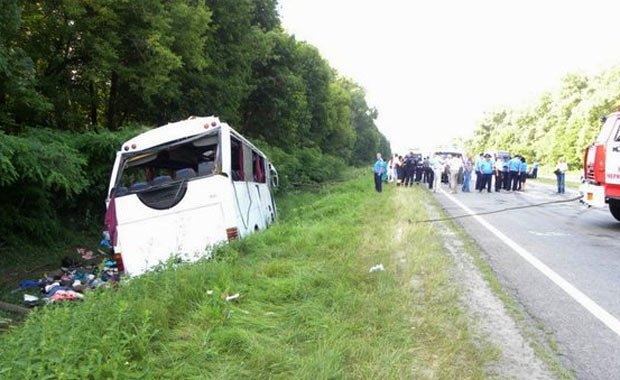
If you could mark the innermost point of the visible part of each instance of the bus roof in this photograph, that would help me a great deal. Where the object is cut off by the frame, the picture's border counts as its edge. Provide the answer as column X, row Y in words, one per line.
column 179, row 130
column 171, row 132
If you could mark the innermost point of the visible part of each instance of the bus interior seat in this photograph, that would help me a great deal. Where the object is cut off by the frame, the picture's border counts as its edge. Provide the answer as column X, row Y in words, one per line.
column 185, row 173
column 161, row 179
column 120, row 191
column 206, row 168
column 138, row 186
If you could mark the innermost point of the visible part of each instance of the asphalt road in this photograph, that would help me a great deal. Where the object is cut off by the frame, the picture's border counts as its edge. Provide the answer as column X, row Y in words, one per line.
column 562, row 263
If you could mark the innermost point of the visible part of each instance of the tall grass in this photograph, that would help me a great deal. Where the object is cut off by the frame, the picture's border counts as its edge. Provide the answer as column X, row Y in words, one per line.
column 308, row 306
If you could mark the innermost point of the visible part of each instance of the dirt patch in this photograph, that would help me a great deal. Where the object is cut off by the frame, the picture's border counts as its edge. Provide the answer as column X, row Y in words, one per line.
column 518, row 360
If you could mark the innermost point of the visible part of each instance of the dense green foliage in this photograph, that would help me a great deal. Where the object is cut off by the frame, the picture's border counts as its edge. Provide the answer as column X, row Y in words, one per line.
column 560, row 124
column 74, row 74
column 308, row 307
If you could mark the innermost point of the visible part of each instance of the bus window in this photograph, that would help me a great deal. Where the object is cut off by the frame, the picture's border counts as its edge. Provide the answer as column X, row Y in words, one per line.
column 178, row 161
column 236, row 160
column 259, row 167
column 248, row 170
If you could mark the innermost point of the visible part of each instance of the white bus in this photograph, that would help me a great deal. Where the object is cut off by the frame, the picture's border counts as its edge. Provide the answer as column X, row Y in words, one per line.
column 182, row 188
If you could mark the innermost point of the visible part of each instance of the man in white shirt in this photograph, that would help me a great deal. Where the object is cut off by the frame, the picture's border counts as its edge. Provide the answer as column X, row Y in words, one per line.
column 455, row 165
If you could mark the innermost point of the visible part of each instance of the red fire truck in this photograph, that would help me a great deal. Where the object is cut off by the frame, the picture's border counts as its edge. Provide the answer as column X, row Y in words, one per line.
column 601, row 166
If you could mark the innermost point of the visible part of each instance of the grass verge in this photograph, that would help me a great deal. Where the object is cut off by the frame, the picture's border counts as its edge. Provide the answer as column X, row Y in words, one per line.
column 308, row 306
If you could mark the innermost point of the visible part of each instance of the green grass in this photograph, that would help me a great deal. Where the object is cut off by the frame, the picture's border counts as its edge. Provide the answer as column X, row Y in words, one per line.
column 308, row 307
column 546, row 176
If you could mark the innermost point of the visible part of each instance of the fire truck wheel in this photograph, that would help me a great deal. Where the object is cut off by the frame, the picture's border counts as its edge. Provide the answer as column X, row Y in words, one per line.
column 614, row 208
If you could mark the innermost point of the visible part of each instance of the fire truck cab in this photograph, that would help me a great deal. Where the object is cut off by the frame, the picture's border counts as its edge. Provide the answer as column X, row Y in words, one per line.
column 601, row 166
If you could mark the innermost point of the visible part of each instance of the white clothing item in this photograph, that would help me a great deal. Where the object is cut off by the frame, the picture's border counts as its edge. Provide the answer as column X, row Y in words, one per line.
column 562, row 167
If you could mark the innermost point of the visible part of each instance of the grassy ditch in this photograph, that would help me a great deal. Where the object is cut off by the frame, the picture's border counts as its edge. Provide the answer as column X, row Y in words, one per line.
column 308, row 306
column 30, row 260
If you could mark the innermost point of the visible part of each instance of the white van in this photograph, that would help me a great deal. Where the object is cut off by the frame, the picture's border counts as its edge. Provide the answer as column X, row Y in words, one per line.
column 182, row 188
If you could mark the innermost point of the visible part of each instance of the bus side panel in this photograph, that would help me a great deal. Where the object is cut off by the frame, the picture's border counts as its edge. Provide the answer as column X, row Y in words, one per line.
column 243, row 204
column 264, row 197
column 190, row 235
column 254, row 211
column 147, row 237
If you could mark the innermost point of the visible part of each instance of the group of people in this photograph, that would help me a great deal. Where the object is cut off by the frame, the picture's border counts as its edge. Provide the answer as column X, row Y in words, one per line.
column 508, row 174
column 414, row 168
column 498, row 173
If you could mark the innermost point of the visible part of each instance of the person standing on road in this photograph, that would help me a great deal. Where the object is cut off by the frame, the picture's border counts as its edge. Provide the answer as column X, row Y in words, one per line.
column 505, row 174
column 534, row 174
column 468, row 167
column 378, row 170
column 437, row 168
column 477, row 169
column 514, row 165
column 426, row 170
column 560, row 173
column 486, row 168
column 523, row 176
column 455, row 164
column 498, row 171
column 398, row 165
column 390, row 173
column 410, row 164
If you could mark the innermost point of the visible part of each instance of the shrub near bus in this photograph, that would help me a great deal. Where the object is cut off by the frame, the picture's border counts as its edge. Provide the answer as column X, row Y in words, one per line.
column 179, row 189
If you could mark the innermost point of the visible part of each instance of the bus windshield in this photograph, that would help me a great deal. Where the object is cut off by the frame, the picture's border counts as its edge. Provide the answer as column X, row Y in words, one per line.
column 197, row 156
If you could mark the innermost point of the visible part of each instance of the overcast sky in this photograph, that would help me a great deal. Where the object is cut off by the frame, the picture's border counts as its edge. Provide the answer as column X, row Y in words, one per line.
column 432, row 68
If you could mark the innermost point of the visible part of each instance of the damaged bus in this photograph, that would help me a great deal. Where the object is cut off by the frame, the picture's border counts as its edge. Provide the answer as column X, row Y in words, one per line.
column 182, row 188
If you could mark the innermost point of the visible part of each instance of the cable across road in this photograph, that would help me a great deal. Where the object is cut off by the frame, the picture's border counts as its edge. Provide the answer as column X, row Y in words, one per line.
column 496, row 211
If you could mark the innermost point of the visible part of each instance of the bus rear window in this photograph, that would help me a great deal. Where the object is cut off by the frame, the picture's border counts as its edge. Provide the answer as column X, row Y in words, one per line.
column 171, row 163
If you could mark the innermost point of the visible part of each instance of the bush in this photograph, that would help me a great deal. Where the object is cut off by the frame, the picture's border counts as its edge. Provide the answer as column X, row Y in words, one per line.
column 303, row 166
column 47, row 174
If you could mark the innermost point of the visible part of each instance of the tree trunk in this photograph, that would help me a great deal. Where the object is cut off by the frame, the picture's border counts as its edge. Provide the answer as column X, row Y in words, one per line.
column 111, row 111
column 93, row 104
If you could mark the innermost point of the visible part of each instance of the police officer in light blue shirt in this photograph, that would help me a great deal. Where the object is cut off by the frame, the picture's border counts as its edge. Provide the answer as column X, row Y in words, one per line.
column 378, row 170
column 479, row 160
column 514, row 166
column 486, row 168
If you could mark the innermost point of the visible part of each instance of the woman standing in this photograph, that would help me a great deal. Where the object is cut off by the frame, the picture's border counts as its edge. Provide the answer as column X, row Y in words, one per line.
column 560, row 173
column 468, row 167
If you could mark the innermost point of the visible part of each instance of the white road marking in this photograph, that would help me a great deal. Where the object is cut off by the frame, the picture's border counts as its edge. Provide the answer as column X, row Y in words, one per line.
column 550, row 233
column 592, row 307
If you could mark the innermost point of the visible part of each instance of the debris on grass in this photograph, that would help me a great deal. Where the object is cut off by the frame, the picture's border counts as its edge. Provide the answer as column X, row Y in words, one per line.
column 378, row 267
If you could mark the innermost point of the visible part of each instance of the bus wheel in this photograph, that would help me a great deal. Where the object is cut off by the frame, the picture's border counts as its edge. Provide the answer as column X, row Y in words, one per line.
column 614, row 208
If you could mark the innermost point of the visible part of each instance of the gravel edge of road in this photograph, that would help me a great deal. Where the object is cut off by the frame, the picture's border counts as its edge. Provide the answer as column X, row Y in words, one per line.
column 527, row 350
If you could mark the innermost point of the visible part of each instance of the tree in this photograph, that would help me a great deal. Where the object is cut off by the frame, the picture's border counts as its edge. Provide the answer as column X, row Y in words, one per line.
column 277, row 108
column 20, row 102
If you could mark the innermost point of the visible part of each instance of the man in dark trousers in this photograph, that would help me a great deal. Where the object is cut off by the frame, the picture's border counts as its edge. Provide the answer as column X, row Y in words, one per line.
column 477, row 170
column 410, row 164
column 378, row 170
column 486, row 168
column 514, row 166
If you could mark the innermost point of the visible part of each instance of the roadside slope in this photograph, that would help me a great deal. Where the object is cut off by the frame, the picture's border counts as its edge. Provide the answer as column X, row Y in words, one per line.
column 308, row 305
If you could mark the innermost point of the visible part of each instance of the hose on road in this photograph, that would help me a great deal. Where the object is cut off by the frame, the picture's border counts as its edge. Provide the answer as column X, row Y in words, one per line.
column 496, row 211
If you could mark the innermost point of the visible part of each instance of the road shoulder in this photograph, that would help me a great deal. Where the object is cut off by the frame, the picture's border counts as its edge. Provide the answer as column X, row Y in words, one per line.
column 525, row 352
